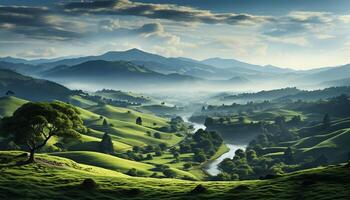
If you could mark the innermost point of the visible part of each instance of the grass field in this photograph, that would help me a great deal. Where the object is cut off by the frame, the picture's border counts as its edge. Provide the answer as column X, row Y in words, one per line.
column 128, row 115
column 59, row 178
column 9, row 104
column 115, row 163
column 81, row 102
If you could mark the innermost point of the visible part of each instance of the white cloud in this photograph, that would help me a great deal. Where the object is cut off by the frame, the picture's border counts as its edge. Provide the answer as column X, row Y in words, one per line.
column 39, row 53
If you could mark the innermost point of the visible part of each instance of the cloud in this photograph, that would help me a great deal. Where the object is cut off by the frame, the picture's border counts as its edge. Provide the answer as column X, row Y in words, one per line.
column 34, row 22
column 345, row 19
column 161, row 11
column 300, row 22
column 151, row 28
column 108, row 25
column 38, row 53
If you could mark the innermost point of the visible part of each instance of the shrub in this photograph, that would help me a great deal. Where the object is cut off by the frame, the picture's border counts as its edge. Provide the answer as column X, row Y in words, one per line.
column 234, row 177
column 169, row 173
column 200, row 158
column 187, row 165
column 132, row 172
column 149, row 157
column 158, row 153
column 89, row 184
column 157, row 135
column 163, row 146
column 161, row 167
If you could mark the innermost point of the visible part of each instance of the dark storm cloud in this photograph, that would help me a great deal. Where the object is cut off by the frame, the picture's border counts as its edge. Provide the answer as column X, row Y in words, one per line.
column 34, row 22
column 161, row 11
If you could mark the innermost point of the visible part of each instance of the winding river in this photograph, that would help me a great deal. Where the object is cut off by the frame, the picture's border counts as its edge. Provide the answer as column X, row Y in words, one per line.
column 212, row 167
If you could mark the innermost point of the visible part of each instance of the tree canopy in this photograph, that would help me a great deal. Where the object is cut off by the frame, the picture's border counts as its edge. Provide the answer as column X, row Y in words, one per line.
column 33, row 124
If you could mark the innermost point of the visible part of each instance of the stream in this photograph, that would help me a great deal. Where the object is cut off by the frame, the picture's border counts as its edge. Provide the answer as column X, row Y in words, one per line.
column 212, row 167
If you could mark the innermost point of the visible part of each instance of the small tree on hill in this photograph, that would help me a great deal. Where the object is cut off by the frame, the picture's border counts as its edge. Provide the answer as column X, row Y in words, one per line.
column 105, row 123
column 34, row 124
column 326, row 121
column 106, row 144
column 139, row 121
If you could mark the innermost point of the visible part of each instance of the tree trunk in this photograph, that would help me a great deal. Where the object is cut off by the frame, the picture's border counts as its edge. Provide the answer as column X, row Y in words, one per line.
column 31, row 156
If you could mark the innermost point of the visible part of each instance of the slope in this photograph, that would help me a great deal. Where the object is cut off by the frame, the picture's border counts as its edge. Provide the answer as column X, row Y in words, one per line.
column 31, row 88
column 56, row 178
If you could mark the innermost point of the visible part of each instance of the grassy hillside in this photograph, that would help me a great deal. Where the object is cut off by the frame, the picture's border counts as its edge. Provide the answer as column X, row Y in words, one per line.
column 59, row 178
column 125, row 132
column 115, row 163
column 9, row 104
column 31, row 88
column 80, row 101
column 334, row 146
column 128, row 115
column 129, row 132
column 124, row 96
column 105, row 161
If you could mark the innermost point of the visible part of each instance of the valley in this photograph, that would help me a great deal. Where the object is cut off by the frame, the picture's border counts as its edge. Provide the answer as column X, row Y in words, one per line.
column 173, row 140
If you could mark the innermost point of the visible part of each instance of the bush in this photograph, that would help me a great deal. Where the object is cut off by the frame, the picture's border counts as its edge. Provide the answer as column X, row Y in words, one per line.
column 149, row 157
column 187, row 165
column 158, row 153
column 89, row 184
column 169, row 173
column 199, row 189
column 161, row 167
column 200, row 158
column 234, row 177
column 132, row 172
column 157, row 135
column 222, row 177
column 163, row 146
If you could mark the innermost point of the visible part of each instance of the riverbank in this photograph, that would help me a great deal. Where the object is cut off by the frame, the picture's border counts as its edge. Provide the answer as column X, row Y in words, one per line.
column 212, row 167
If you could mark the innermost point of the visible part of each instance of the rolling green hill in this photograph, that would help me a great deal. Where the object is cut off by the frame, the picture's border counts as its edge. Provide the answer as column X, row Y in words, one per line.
column 334, row 146
column 128, row 132
column 128, row 115
column 115, row 163
column 9, row 104
column 124, row 96
column 58, row 178
column 105, row 161
column 124, row 131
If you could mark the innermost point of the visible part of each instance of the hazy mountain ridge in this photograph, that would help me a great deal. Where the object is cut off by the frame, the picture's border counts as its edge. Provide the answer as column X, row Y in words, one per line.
column 31, row 88
column 214, row 69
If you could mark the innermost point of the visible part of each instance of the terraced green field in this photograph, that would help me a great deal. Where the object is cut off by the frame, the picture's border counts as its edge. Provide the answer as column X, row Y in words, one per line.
column 59, row 178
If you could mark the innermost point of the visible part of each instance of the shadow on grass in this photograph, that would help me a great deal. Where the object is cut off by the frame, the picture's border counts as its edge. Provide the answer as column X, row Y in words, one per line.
column 14, row 160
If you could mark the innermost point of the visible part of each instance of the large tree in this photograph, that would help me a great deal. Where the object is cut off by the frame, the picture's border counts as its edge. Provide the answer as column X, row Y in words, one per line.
column 33, row 124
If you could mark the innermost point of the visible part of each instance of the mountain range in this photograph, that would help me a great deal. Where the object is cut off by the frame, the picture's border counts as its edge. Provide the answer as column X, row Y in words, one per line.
column 143, row 67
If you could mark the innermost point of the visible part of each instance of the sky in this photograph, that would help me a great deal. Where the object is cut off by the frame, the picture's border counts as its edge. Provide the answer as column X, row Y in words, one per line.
column 300, row 34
